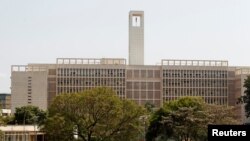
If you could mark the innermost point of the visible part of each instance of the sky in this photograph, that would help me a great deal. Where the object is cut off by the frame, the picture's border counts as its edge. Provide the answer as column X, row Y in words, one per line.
column 39, row 31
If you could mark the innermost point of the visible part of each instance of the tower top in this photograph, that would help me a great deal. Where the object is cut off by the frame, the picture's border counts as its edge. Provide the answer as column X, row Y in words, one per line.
column 136, row 11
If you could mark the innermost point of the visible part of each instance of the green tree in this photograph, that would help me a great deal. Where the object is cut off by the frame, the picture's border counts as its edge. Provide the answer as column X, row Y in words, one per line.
column 186, row 119
column 158, row 129
column 246, row 98
column 221, row 114
column 2, row 122
column 187, row 124
column 149, row 107
column 29, row 115
column 174, row 120
column 93, row 115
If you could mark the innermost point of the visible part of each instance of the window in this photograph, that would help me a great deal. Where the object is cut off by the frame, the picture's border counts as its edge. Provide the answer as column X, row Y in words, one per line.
column 136, row 21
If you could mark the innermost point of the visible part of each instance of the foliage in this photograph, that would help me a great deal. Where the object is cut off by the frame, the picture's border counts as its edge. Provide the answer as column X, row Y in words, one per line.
column 221, row 114
column 96, row 114
column 157, row 128
column 2, row 122
column 174, row 120
column 186, row 119
column 29, row 115
column 6, row 120
column 187, row 123
column 246, row 98
column 149, row 107
column 196, row 102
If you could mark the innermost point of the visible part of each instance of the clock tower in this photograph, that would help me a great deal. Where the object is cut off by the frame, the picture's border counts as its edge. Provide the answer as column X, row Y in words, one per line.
column 136, row 38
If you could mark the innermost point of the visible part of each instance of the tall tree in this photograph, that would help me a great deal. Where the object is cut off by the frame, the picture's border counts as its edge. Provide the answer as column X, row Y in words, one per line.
column 186, row 119
column 176, row 118
column 96, row 114
column 246, row 98
column 158, row 129
column 221, row 114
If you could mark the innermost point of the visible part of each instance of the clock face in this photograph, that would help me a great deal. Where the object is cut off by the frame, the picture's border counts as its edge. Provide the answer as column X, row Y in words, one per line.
column 136, row 21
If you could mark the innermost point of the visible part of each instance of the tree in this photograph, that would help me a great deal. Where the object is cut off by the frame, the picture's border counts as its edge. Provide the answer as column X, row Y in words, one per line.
column 179, row 119
column 29, row 115
column 149, row 107
column 96, row 114
column 221, row 114
column 246, row 98
column 186, row 119
column 157, row 129
column 2, row 122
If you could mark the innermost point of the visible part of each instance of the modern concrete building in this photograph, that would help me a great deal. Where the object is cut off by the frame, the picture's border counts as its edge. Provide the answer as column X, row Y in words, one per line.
column 136, row 38
column 38, row 84
column 213, row 80
column 29, row 85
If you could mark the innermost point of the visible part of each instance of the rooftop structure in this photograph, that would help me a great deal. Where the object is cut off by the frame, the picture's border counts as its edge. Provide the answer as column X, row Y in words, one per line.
column 209, row 63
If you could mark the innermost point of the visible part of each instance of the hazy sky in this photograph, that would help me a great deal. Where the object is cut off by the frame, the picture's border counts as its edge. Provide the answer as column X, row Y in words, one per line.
column 39, row 31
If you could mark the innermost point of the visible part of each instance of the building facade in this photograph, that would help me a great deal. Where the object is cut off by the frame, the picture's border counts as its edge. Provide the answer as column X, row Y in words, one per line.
column 213, row 80
column 29, row 85
column 204, row 78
